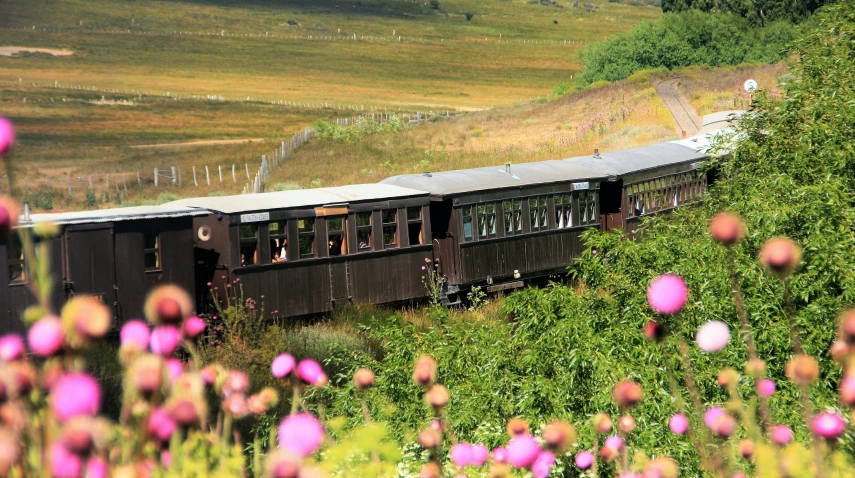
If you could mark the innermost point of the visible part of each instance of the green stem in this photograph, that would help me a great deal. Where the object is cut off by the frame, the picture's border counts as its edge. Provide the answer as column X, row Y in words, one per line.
column 227, row 430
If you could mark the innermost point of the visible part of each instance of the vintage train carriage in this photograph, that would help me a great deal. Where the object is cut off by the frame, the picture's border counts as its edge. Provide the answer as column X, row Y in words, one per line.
column 500, row 226
column 115, row 254
column 307, row 251
column 649, row 180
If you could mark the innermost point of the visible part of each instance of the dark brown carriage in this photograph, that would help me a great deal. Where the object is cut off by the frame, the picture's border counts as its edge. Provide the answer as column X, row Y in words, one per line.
column 117, row 255
column 361, row 244
column 502, row 226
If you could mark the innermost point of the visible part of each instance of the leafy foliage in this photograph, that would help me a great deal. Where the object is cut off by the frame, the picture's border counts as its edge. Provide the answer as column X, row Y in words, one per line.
column 683, row 39
column 757, row 12
column 363, row 126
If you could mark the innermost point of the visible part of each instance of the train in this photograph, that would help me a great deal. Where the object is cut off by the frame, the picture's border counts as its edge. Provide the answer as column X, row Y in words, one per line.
column 309, row 251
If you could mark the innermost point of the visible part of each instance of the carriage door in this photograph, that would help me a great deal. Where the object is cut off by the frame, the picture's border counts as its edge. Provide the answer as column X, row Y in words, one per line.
column 611, row 200
column 443, row 226
column 88, row 262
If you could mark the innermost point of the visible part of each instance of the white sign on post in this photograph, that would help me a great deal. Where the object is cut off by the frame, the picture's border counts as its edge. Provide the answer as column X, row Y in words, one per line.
column 751, row 86
column 579, row 186
column 257, row 217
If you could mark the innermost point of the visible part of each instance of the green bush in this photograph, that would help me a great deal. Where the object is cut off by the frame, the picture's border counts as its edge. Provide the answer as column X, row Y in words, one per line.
column 362, row 126
column 683, row 39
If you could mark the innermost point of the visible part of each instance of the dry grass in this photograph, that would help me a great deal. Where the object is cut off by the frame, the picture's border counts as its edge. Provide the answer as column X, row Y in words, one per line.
column 720, row 89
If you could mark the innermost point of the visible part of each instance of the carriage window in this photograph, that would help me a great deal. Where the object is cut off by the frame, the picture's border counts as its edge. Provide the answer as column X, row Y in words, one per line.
column 17, row 266
column 363, row 231
column 467, row 223
column 538, row 211
column 390, row 228
column 248, row 244
column 278, row 241
column 564, row 211
column 307, row 237
column 486, row 221
column 151, row 243
column 588, row 207
column 414, row 225
column 336, row 238
column 513, row 216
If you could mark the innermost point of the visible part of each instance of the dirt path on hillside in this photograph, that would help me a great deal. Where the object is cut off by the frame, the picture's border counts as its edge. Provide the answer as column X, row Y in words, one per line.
column 197, row 143
column 686, row 117
column 11, row 50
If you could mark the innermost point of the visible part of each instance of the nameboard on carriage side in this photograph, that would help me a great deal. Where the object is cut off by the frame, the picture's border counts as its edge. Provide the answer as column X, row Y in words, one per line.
column 580, row 186
column 255, row 217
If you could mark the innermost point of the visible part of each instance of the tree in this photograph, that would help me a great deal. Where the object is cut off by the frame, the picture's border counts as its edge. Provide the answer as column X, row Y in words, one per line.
column 757, row 12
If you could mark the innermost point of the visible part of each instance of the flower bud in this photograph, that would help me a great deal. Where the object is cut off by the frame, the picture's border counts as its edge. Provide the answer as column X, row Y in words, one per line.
column 517, row 426
column 10, row 451
column 135, row 335
column 8, row 215
column 77, row 434
column 146, row 373
column 193, row 326
column 728, row 378
column 429, row 438
column 667, row 294
column 602, row 423
column 559, row 435
column 7, row 135
column 727, row 228
column 237, row 383
column 424, row 372
column 847, row 326
column 782, row 435
column 847, row 390
column 46, row 337
column 780, row 255
column 755, row 367
column 746, row 449
column 85, row 318
column 802, row 369
column 627, row 394
column 363, row 379
column 839, row 350
column 654, row 331
column 437, row 396
column 500, row 470
column 430, row 470
column 584, row 459
column 161, row 426
column 184, row 411
column 661, row 467
column 281, row 464
column 168, row 304
column 11, row 347
column 766, row 388
column 626, row 424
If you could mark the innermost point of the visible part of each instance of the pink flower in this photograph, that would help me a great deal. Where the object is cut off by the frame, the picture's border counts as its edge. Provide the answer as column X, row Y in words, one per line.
column 713, row 336
column 614, row 442
column 542, row 464
column 165, row 459
column 480, row 454
column 584, row 459
column 11, row 347
column 193, row 326
column 237, row 280
column 423, row 267
column 594, row 252
column 209, row 284
column 766, row 387
column 301, row 434
column 847, row 390
column 461, row 454
column 165, row 339
column 64, row 463
column 828, row 425
column 96, row 467
column 7, row 135
column 282, row 365
column 237, row 383
column 75, row 394
column 174, row 368
column 46, row 337
column 500, row 455
column 160, row 425
column 667, row 294
column 782, row 435
column 310, row 372
column 522, row 451
column 678, row 424
column 713, row 415
column 135, row 334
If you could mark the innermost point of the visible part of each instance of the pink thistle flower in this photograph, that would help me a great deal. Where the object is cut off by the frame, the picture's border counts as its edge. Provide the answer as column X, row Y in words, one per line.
column 782, row 435
column 766, row 387
column 8, row 214
column 135, row 334
column 584, row 459
column 46, row 336
column 712, row 415
column 96, row 467
column 11, row 347
column 500, row 455
column 174, row 368
column 64, row 463
column 237, row 280
column 310, row 372
column 193, row 326
column 847, row 390
column 209, row 284
column 480, row 454
column 75, row 394
column 461, row 454
column 282, row 365
column 678, row 424
column 667, row 294
column 223, row 277
column 614, row 442
column 165, row 340
column 236, row 405
column 828, row 425
column 594, row 252
column 301, row 434
column 713, row 336
column 160, row 425
column 423, row 268
column 542, row 464
column 427, row 260
column 7, row 135
column 237, row 383
column 522, row 451
column 165, row 459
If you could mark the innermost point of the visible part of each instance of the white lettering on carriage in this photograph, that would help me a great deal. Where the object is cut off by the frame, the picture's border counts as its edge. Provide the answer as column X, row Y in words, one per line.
column 257, row 217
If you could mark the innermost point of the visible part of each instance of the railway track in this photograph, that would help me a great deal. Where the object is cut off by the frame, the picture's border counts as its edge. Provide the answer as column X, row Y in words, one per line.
column 686, row 117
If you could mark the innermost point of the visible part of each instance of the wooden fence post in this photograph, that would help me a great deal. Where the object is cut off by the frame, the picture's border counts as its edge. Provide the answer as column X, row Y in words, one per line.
column 220, row 169
column 173, row 176
column 194, row 177
column 155, row 177
column 248, row 178
column 234, row 176
column 68, row 180
column 207, row 175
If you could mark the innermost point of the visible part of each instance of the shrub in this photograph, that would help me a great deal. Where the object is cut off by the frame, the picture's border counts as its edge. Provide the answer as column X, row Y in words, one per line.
column 469, row 16
column 90, row 199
